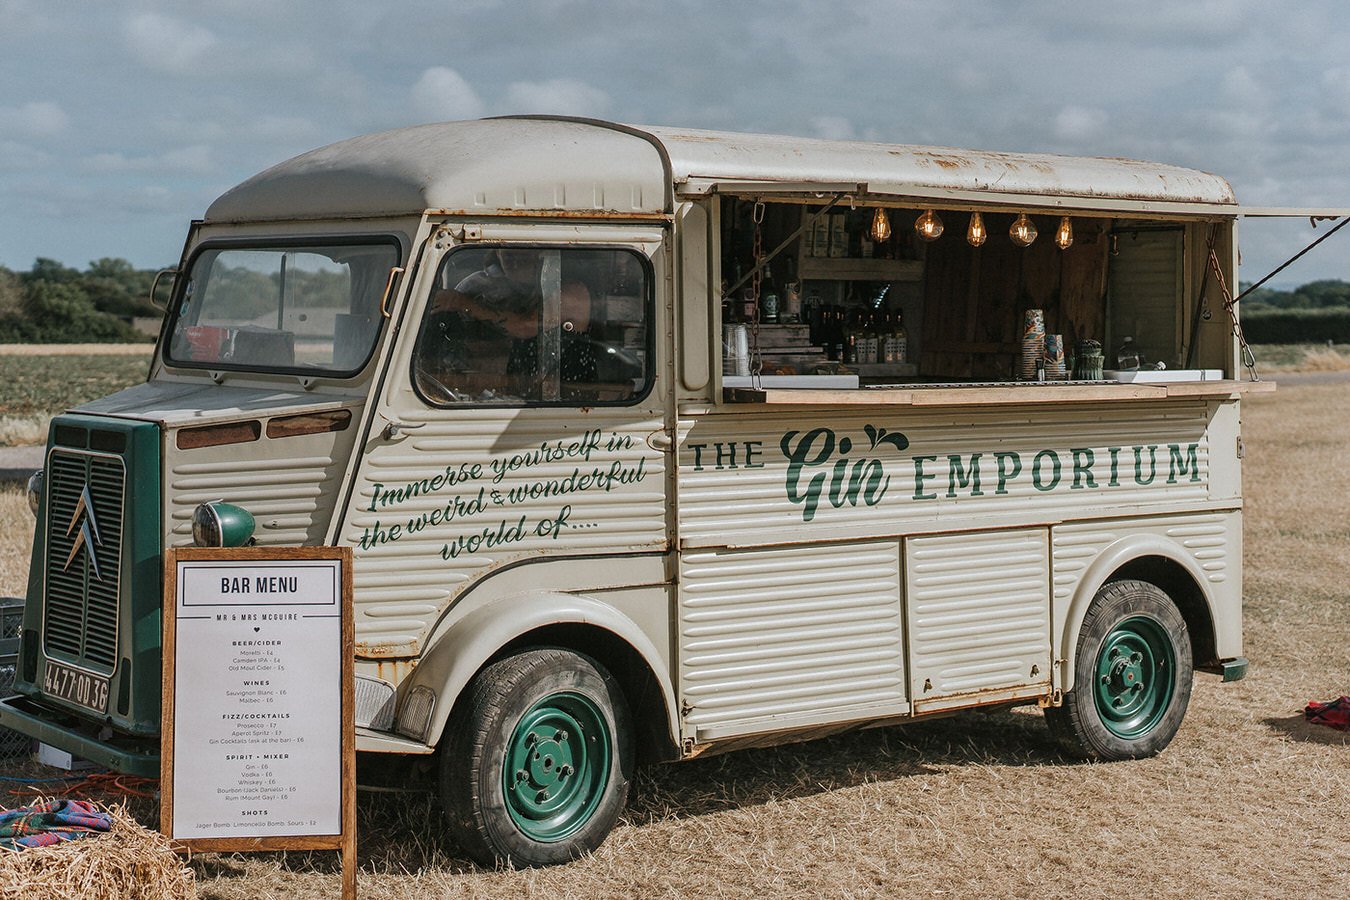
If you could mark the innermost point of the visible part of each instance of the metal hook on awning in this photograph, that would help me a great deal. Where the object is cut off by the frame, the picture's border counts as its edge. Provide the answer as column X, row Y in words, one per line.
column 764, row 262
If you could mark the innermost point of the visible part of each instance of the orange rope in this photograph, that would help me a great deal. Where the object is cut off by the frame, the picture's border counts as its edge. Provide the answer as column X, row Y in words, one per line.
column 113, row 783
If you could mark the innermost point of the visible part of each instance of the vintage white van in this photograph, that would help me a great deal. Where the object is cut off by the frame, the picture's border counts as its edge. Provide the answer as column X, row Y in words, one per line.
column 499, row 360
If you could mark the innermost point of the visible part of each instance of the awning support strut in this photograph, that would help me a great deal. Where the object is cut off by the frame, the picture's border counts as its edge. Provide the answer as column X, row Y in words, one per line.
column 1291, row 260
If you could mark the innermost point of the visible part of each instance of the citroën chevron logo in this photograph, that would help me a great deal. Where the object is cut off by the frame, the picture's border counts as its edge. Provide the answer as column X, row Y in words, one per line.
column 89, row 536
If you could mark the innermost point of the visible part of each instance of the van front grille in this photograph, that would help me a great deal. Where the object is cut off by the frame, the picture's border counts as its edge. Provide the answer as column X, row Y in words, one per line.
column 85, row 502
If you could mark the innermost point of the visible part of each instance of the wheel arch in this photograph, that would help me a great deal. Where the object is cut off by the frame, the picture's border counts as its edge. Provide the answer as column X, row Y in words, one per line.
column 553, row 619
column 1159, row 562
column 649, row 706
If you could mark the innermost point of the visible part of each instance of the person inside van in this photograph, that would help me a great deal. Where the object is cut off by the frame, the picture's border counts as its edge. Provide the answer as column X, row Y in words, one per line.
column 491, row 323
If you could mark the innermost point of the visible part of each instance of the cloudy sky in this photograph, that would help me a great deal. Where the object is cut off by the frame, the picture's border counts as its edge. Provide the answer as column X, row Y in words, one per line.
column 121, row 121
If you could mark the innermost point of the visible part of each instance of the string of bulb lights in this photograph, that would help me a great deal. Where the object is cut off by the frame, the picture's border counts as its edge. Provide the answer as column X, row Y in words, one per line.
column 929, row 227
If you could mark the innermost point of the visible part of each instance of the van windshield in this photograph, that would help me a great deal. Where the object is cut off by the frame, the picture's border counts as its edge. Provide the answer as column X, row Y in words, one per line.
column 311, row 309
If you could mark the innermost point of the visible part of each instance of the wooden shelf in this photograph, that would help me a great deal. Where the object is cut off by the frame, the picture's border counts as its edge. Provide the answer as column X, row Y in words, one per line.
column 829, row 268
column 886, row 370
column 997, row 395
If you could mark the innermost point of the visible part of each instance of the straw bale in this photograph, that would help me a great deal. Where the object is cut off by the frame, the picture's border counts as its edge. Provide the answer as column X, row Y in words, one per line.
column 129, row 862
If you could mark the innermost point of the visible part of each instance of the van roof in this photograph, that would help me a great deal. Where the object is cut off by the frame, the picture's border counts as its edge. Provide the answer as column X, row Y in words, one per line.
column 559, row 164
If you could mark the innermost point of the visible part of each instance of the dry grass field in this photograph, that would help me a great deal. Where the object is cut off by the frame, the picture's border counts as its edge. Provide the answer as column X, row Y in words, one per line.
column 37, row 381
column 1247, row 802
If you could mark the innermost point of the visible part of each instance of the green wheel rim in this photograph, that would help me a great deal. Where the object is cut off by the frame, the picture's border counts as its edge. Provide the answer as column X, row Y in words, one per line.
column 557, row 766
column 1135, row 677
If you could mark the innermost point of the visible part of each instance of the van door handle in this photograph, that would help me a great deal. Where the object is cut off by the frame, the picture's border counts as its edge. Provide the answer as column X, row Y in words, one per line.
column 393, row 429
column 660, row 441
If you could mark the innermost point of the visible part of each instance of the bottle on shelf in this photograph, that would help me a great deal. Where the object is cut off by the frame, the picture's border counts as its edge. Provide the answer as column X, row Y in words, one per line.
column 897, row 341
column 811, row 316
column 748, row 305
column 768, row 303
column 863, row 329
column 880, row 329
column 733, row 304
column 1128, row 356
column 868, row 339
column 837, row 338
column 790, row 308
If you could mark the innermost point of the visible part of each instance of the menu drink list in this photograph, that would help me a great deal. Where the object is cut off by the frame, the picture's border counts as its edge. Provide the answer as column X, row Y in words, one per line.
column 258, row 693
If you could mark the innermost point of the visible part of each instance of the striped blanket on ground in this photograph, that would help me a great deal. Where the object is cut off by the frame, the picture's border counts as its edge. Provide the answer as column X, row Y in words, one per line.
column 49, row 823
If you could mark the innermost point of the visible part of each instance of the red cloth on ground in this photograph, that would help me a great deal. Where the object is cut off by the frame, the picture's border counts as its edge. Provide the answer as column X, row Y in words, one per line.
column 1335, row 714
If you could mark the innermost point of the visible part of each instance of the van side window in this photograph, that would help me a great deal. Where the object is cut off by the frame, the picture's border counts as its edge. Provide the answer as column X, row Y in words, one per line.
column 522, row 325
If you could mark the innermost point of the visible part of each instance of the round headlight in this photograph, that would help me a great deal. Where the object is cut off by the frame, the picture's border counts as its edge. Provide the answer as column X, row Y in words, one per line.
column 35, row 484
column 217, row 524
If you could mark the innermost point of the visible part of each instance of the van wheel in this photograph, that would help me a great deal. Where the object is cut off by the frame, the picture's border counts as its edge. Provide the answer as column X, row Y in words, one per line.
column 539, row 759
column 1132, row 676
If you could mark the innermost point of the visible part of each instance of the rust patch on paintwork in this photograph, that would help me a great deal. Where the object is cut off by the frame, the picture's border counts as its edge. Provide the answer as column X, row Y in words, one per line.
column 703, row 138
column 549, row 213
column 386, row 651
column 395, row 670
column 988, row 697
column 692, row 747
column 949, row 162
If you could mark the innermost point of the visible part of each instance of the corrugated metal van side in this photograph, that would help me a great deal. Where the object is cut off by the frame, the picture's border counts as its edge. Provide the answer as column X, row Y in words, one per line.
column 436, row 511
column 758, row 478
column 766, row 634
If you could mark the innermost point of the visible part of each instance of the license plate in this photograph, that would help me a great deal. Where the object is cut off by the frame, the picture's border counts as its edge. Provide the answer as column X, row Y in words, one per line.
column 74, row 686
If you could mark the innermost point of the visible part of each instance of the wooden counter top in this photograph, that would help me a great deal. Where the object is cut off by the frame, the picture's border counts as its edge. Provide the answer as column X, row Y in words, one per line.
column 986, row 394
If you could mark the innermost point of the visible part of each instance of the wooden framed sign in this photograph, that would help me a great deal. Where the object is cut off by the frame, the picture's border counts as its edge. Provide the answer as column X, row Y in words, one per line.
column 257, row 741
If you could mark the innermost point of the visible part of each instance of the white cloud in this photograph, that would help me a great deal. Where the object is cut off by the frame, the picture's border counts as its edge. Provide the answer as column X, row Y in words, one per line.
column 970, row 79
column 1335, row 90
column 19, row 18
column 196, row 159
column 36, row 119
column 166, row 44
column 1077, row 123
column 193, row 160
column 281, row 129
column 833, row 128
column 1243, row 89
column 443, row 94
column 151, row 198
column 15, row 157
column 559, row 96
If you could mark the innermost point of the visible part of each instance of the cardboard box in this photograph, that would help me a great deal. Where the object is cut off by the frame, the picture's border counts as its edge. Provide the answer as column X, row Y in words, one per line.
column 61, row 759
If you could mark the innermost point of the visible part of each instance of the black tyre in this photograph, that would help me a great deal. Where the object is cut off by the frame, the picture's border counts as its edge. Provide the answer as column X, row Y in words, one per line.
column 538, row 760
column 1132, row 676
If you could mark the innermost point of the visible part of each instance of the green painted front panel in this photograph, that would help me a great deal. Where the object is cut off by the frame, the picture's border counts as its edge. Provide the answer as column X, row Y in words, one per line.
column 132, row 661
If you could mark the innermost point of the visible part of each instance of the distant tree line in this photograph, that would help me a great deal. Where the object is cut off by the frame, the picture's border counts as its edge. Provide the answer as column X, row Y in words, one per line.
column 52, row 303
column 1329, row 293
column 1314, row 313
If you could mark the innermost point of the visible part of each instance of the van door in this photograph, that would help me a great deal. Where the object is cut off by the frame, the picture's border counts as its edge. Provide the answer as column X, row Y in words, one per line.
column 1145, row 280
column 977, row 608
column 522, row 422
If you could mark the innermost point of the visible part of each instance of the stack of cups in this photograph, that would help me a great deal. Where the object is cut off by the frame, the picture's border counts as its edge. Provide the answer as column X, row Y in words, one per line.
column 735, row 350
column 1055, row 368
column 1033, row 343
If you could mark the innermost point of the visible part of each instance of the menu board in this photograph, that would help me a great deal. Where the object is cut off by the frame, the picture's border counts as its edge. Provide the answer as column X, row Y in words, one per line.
column 257, row 681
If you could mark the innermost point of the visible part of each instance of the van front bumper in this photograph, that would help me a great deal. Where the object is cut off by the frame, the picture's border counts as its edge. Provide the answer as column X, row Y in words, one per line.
column 134, row 757
column 1234, row 669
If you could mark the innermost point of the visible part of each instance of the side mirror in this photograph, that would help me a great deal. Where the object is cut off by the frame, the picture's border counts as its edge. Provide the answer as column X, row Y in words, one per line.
column 154, row 285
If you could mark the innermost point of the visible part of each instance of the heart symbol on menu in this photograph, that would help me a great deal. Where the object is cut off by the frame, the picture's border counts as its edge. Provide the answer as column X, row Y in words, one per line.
column 256, row 629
